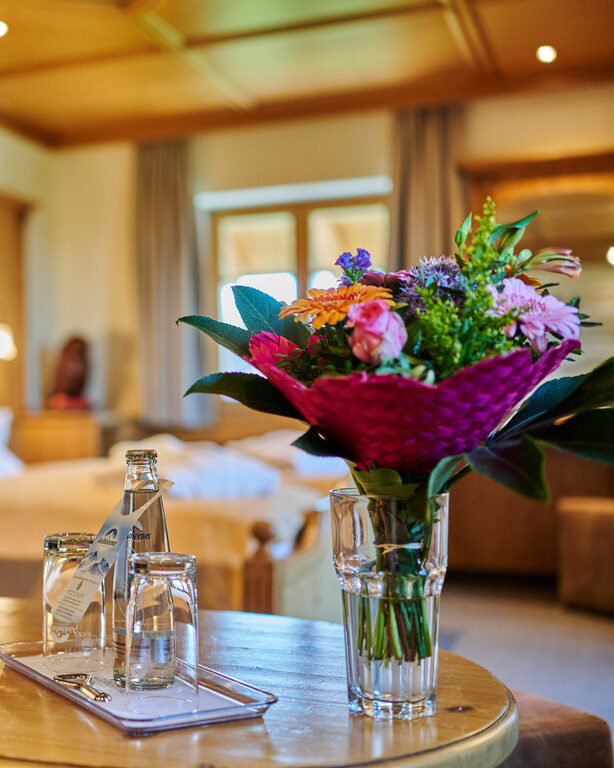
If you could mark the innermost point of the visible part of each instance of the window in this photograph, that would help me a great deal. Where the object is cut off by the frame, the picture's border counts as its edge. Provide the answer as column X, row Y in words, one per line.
column 286, row 250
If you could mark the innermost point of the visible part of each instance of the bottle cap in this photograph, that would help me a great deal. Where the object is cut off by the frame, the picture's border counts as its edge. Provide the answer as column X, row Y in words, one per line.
column 141, row 454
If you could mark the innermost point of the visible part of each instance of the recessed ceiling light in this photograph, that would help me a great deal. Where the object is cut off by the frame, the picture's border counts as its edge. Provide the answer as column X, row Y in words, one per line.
column 4, row 28
column 610, row 255
column 546, row 53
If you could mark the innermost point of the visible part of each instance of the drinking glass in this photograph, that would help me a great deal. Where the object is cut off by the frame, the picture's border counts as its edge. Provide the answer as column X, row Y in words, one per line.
column 75, row 647
column 161, row 631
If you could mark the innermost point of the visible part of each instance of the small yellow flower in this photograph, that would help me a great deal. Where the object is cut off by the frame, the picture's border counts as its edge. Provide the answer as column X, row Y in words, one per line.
column 330, row 306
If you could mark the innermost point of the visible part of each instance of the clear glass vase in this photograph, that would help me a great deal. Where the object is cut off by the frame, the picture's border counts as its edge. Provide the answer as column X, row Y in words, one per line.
column 390, row 555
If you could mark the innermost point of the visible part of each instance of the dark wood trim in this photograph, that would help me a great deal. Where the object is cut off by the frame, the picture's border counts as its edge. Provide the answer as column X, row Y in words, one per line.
column 308, row 205
column 258, row 573
column 430, row 90
column 506, row 170
column 466, row 29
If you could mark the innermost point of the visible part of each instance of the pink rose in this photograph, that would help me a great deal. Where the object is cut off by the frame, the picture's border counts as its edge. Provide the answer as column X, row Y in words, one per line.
column 379, row 333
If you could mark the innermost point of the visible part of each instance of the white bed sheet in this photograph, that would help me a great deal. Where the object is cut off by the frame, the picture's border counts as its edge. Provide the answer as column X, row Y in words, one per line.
column 69, row 496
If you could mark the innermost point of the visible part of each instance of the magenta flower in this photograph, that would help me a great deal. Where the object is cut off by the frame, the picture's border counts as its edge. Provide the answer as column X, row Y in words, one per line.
column 267, row 349
column 534, row 313
column 379, row 333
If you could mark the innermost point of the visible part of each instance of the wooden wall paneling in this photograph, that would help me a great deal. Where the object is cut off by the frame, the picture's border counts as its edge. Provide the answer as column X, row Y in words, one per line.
column 494, row 530
column 11, row 299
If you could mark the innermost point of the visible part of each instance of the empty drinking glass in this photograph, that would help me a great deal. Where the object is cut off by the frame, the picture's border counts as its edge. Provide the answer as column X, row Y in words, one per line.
column 161, row 629
column 77, row 646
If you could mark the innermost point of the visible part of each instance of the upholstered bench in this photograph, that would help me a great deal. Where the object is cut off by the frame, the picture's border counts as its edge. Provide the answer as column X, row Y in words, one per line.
column 585, row 544
column 553, row 735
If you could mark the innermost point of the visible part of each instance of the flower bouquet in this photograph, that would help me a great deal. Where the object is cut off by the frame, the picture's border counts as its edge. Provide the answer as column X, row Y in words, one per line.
column 411, row 377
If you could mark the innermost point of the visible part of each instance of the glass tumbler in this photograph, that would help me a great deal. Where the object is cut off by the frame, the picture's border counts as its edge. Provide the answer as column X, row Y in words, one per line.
column 77, row 647
column 161, row 628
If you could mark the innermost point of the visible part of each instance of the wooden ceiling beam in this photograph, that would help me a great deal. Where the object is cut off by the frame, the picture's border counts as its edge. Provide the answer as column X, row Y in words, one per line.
column 72, row 63
column 470, row 37
column 159, row 33
column 139, row 6
column 416, row 6
column 172, row 42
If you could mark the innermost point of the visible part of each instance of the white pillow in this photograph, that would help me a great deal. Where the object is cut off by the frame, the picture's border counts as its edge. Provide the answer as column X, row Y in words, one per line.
column 10, row 464
column 170, row 449
column 276, row 448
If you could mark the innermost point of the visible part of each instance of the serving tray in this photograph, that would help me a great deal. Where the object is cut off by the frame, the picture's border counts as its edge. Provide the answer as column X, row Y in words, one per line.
column 220, row 699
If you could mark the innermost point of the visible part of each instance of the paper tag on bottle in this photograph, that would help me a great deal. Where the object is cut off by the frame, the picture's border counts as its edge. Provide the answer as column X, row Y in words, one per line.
column 102, row 553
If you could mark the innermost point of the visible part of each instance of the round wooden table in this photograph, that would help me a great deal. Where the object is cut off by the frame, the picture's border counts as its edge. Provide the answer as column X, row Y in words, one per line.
column 302, row 662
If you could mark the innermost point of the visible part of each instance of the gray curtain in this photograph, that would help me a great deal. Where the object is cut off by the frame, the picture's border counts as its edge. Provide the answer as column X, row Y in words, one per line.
column 428, row 204
column 168, row 280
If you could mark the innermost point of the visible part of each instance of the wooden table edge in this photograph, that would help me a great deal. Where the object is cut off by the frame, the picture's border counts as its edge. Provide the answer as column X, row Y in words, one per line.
column 474, row 751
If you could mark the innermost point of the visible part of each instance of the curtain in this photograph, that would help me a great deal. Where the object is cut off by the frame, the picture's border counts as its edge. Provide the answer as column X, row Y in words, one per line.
column 168, row 280
column 427, row 206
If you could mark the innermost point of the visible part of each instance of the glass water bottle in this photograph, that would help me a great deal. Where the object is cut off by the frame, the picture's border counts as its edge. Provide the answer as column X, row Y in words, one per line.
column 148, row 535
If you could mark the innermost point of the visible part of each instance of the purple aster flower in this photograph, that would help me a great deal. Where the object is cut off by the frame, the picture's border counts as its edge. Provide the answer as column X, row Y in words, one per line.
column 443, row 271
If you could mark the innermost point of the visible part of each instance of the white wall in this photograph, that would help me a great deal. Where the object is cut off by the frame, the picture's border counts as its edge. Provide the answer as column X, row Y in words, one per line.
column 94, row 272
column 79, row 264
column 287, row 152
column 539, row 125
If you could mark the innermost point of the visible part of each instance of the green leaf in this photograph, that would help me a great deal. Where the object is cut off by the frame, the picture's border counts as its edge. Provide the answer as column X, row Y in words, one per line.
column 563, row 397
column 544, row 399
column 260, row 312
column 518, row 465
column 312, row 442
column 441, row 474
column 230, row 336
column 461, row 234
column 501, row 228
column 248, row 388
column 383, row 481
column 589, row 434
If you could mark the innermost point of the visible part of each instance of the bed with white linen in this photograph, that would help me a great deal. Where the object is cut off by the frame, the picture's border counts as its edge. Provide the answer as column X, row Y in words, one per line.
column 220, row 495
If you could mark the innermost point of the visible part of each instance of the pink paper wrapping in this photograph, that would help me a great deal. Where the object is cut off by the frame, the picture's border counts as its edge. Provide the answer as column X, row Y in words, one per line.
column 389, row 421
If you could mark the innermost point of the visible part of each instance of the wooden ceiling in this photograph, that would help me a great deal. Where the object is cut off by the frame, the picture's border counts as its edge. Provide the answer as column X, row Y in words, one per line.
column 75, row 71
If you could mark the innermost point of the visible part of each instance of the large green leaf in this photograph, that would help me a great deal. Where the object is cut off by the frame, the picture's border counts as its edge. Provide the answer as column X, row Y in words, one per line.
column 518, row 465
column 544, row 399
column 441, row 475
column 563, row 397
column 312, row 442
column 590, row 435
column 596, row 390
column 230, row 336
column 248, row 388
column 260, row 312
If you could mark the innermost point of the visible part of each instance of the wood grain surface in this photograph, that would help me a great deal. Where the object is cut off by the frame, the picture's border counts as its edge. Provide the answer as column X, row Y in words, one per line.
column 302, row 662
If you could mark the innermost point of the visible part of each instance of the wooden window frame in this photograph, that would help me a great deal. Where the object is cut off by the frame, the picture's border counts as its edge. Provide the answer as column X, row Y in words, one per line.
column 301, row 212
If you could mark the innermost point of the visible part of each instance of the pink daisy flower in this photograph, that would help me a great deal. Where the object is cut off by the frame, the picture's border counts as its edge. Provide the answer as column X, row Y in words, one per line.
column 534, row 313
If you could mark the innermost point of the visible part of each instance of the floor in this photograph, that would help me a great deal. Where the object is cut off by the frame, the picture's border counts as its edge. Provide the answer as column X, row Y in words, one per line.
column 517, row 630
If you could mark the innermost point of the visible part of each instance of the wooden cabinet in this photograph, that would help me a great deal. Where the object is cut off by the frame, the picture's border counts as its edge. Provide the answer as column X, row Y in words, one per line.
column 57, row 435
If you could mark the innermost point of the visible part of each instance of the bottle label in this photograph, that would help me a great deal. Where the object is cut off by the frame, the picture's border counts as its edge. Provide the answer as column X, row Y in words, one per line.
column 102, row 553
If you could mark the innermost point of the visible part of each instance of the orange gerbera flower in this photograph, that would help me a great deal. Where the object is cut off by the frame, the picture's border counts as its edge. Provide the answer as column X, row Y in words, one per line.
column 330, row 306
